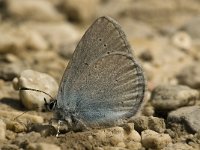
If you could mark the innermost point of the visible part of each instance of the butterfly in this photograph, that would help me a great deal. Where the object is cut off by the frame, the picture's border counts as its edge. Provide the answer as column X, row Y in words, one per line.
column 103, row 84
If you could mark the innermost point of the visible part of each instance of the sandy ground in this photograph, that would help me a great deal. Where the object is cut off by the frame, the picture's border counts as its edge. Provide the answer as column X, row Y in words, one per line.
column 42, row 35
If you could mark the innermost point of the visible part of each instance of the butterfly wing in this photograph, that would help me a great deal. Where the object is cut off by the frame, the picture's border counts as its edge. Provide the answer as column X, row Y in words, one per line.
column 103, row 45
column 110, row 89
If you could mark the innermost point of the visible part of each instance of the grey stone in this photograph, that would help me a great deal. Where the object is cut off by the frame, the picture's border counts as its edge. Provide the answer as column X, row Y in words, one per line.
column 9, row 71
column 23, row 10
column 142, row 123
column 190, row 75
column 170, row 97
column 44, row 130
column 192, row 27
column 80, row 11
column 188, row 116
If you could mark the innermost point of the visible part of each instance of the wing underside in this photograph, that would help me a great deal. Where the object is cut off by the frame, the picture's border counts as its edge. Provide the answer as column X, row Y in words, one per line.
column 102, row 82
column 111, row 88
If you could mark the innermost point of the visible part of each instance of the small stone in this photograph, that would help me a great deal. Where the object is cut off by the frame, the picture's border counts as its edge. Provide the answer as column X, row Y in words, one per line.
column 182, row 40
column 23, row 10
column 146, row 56
column 43, row 146
column 44, row 130
column 169, row 97
column 2, row 130
column 80, row 11
column 188, row 116
column 10, row 135
column 60, row 36
column 134, row 136
column 35, row 80
column 142, row 123
column 9, row 42
column 152, row 139
column 157, row 124
column 10, row 147
column 15, row 126
column 11, row 58
column 9, row 71
column 178, row 146
column 190, row 76
column 128, row 127
column 134, row 145
column 35, row 41
column 148, row 111
column 192, row 27
column 121, row 144
column 118, row 135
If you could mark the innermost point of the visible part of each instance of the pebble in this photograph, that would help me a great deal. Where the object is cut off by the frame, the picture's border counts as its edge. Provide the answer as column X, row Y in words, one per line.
column 2, row 130
column 23, row 10
column 154, row 140
column 182, row 40
column 80, row 11
column 148, row 110
column 192, row 27
column 43, row 146
column 178, row 146
column 170, row 97
column 10, row 135
column 9, row 71
column 10, row 147
column 34, row 40
column 9, row 42
column 143, row 123
column 134, row 145
column 16, row 40
column 187, row 116
column 16, row 126
column 62, row 37
column 44, row 130
column 35, row 80
column 190, row 75
column 117, row 135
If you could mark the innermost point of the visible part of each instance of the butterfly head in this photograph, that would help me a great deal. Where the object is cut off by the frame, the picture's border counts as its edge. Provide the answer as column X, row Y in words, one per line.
column 50, row 106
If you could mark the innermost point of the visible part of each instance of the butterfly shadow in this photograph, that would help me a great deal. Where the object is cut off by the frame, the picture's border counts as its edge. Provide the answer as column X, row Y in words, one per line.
column 13, row 103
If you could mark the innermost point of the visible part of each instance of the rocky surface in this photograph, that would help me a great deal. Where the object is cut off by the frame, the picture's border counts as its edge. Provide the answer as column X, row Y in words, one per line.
column 37, row 39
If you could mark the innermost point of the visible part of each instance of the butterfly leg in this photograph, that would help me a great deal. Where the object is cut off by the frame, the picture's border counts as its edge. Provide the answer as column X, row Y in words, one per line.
column 58, row 128
column 80, row 125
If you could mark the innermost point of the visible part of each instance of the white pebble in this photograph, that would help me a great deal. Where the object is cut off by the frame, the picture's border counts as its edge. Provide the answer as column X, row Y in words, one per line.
column 35, row 80
column 182, row 40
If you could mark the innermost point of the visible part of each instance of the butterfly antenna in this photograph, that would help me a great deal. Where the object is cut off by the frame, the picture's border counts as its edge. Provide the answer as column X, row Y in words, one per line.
column 22, row 114
column 19, row 115
column 30, row 89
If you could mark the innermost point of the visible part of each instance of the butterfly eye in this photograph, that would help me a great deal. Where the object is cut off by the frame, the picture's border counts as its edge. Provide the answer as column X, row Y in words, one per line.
column 51, row 105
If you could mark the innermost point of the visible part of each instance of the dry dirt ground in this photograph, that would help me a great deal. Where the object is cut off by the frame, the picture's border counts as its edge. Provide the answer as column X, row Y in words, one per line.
column 42, row 35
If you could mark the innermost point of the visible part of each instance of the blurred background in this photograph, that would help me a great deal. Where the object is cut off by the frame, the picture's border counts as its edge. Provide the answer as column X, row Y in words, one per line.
column 42, row 35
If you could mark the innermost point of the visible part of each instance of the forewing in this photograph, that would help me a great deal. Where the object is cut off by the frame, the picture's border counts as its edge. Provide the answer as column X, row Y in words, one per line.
column 103, row 37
